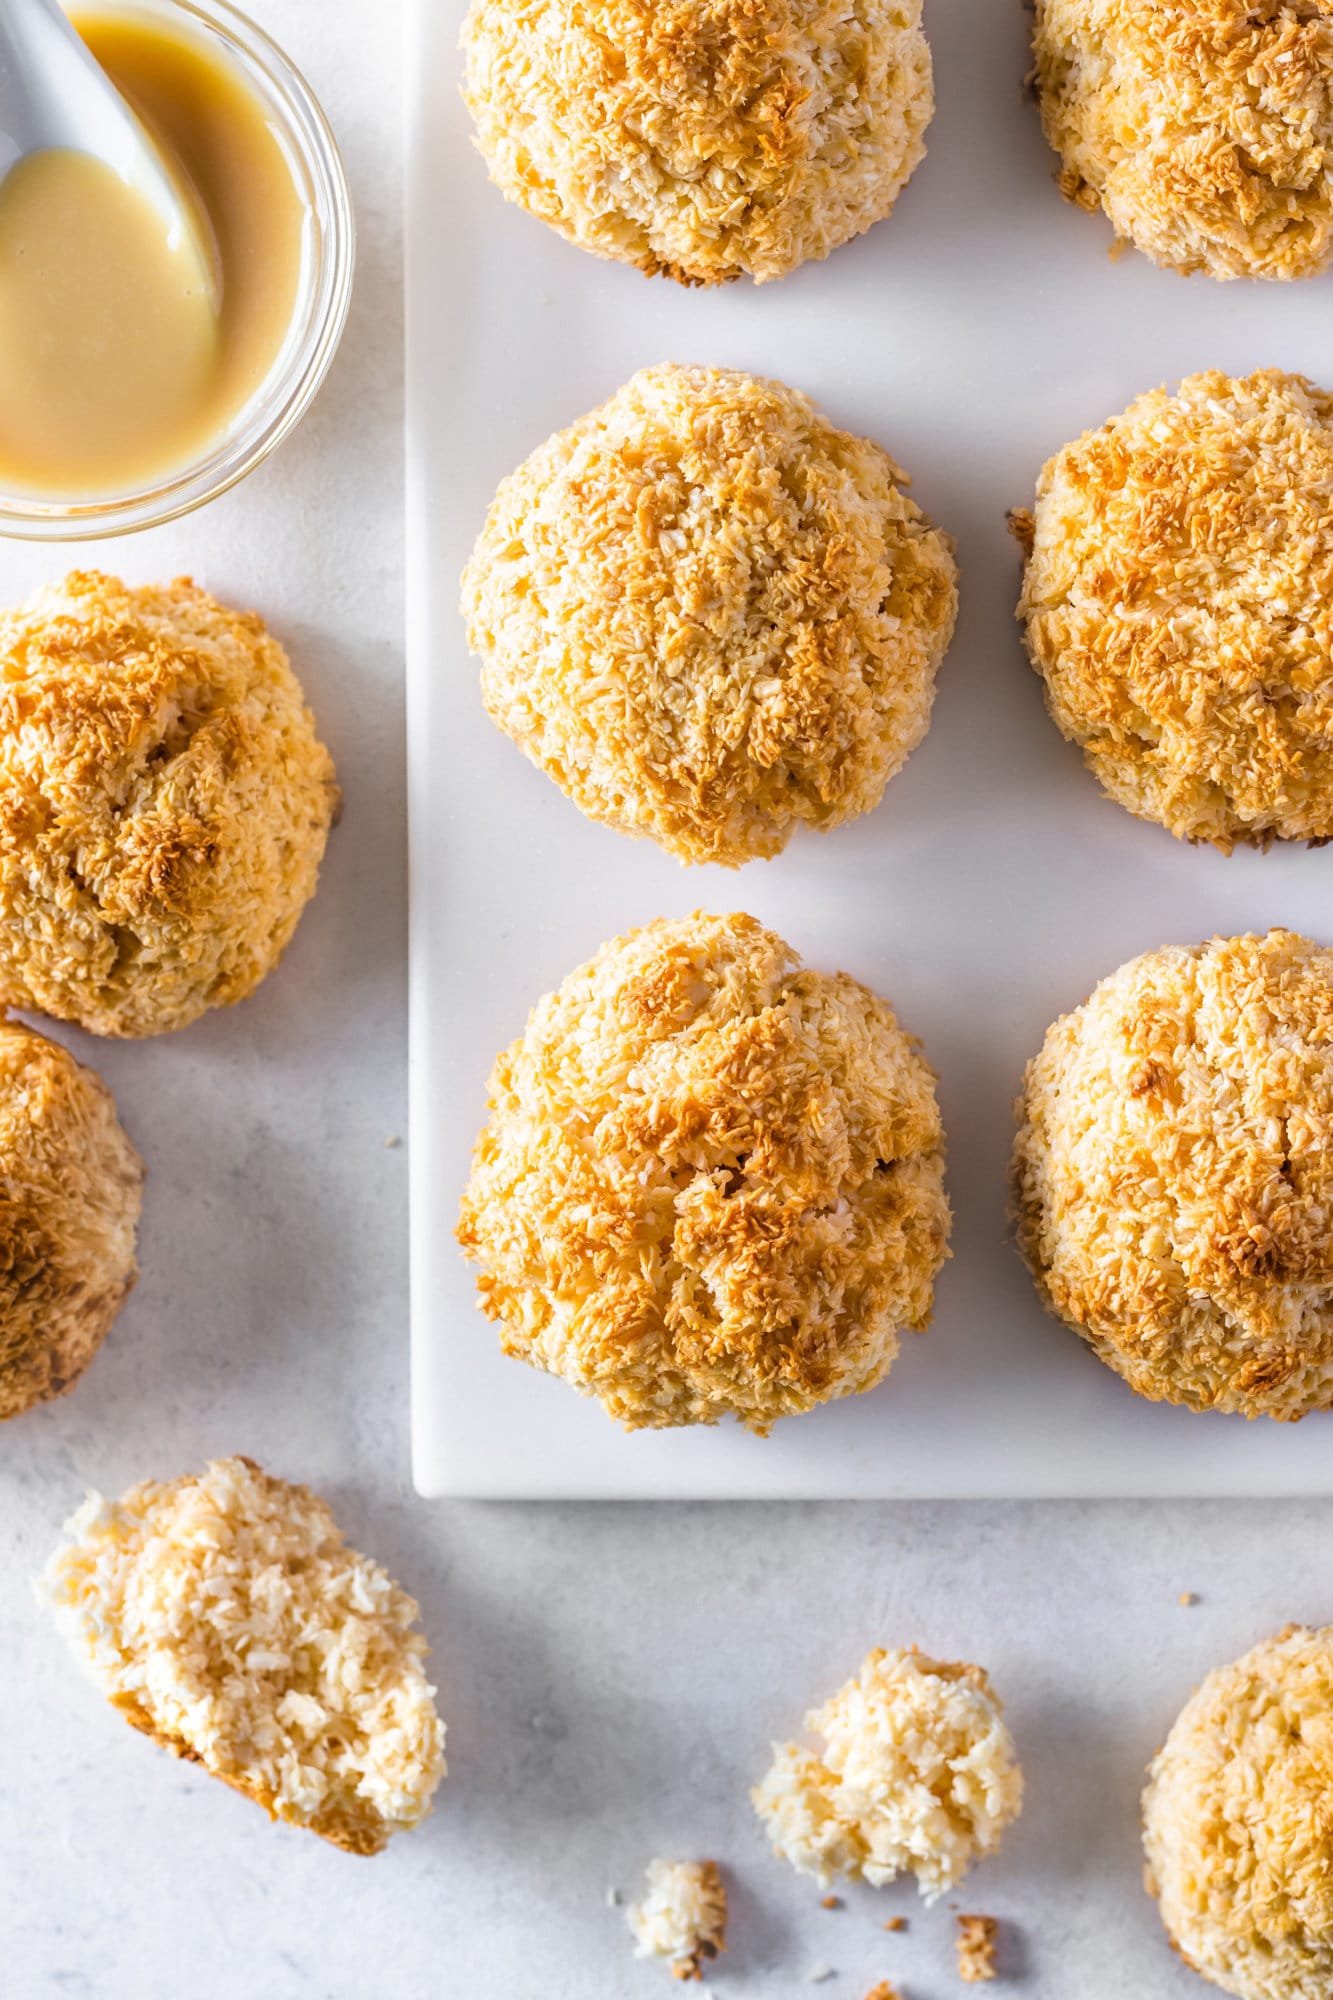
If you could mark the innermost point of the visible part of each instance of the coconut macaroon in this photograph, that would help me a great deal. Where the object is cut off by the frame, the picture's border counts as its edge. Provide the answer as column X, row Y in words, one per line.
column 225, row 1616
column 709, row 615
column 164, row 803
column 1204, row 131
column 1237, row 1827
column 711, row 1182
column 917, row 1771
column 1177, row 603
column 70, row 1188
column 975, row 1942
column 682, row 1917
column 1173, row 1177
column 703, row 139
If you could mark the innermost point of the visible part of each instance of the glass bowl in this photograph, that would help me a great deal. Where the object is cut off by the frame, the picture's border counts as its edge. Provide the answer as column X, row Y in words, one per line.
column 318, row 316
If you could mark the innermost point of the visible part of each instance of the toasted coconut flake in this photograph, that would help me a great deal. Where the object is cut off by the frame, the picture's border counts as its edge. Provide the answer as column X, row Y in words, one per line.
column 976, row 1943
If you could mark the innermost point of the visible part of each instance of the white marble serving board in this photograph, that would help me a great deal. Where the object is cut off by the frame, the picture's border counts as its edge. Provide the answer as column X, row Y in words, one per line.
column 981, row 326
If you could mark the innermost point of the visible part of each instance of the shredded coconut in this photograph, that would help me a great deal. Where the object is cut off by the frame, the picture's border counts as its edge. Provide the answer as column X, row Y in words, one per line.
column 70, row 1186
column 165, row 798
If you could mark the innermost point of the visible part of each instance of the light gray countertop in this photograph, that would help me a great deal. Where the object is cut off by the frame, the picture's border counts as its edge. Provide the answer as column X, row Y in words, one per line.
column 611, row 1678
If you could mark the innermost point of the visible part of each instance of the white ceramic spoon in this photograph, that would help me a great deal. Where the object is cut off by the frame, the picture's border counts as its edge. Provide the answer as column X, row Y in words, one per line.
column 54, row 95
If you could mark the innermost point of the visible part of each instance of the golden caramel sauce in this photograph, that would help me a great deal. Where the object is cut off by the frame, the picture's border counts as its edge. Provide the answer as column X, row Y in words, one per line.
column 117, row 367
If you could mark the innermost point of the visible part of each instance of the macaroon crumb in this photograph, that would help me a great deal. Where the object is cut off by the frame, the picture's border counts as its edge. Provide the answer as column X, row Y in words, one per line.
column 917, row 1771
column 884, row 1991
column 682, row 1917
column 1188, row 1597
column 896, row 1924
column 976, row 1942
column 830, row 1902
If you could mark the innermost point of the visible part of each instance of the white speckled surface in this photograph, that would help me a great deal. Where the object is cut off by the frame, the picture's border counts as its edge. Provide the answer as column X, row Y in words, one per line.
column 611, row 1677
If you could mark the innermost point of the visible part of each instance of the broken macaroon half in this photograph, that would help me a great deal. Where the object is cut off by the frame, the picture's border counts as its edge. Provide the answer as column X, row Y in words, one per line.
column 224, row 1615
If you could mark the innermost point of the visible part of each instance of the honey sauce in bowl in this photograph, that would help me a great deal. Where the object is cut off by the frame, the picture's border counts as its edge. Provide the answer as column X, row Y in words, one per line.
column 128, row 369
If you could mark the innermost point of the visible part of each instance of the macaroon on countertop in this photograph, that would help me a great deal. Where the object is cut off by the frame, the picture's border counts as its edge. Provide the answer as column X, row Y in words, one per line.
column 612, row 1678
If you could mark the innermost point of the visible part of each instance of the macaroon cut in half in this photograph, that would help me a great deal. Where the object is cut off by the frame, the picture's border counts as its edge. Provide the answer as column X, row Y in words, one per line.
column 164, row 803
column 1178, row 605
column 703, row 139
column 1173, row 1174
column 1237, row 1827
column 224, row 1616
column 709, row 615
column 70, row 1189
column 917, row 1772
column 711, row 1182
column 1204, row 130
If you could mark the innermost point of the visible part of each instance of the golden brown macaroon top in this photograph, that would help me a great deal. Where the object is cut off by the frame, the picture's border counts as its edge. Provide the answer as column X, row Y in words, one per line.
column 225, row 1617
column 1204, row 130
column 709, row 615
column 1173, row 1174
column 70, row 1187
column 164, row 803
column 711, row 1181
column 1236, row 1822
column 1178, row 603
column 702, row 139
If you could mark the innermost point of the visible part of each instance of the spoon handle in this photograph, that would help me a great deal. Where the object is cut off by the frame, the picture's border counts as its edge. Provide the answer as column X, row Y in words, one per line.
column 35, row 57
column 54, row 93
